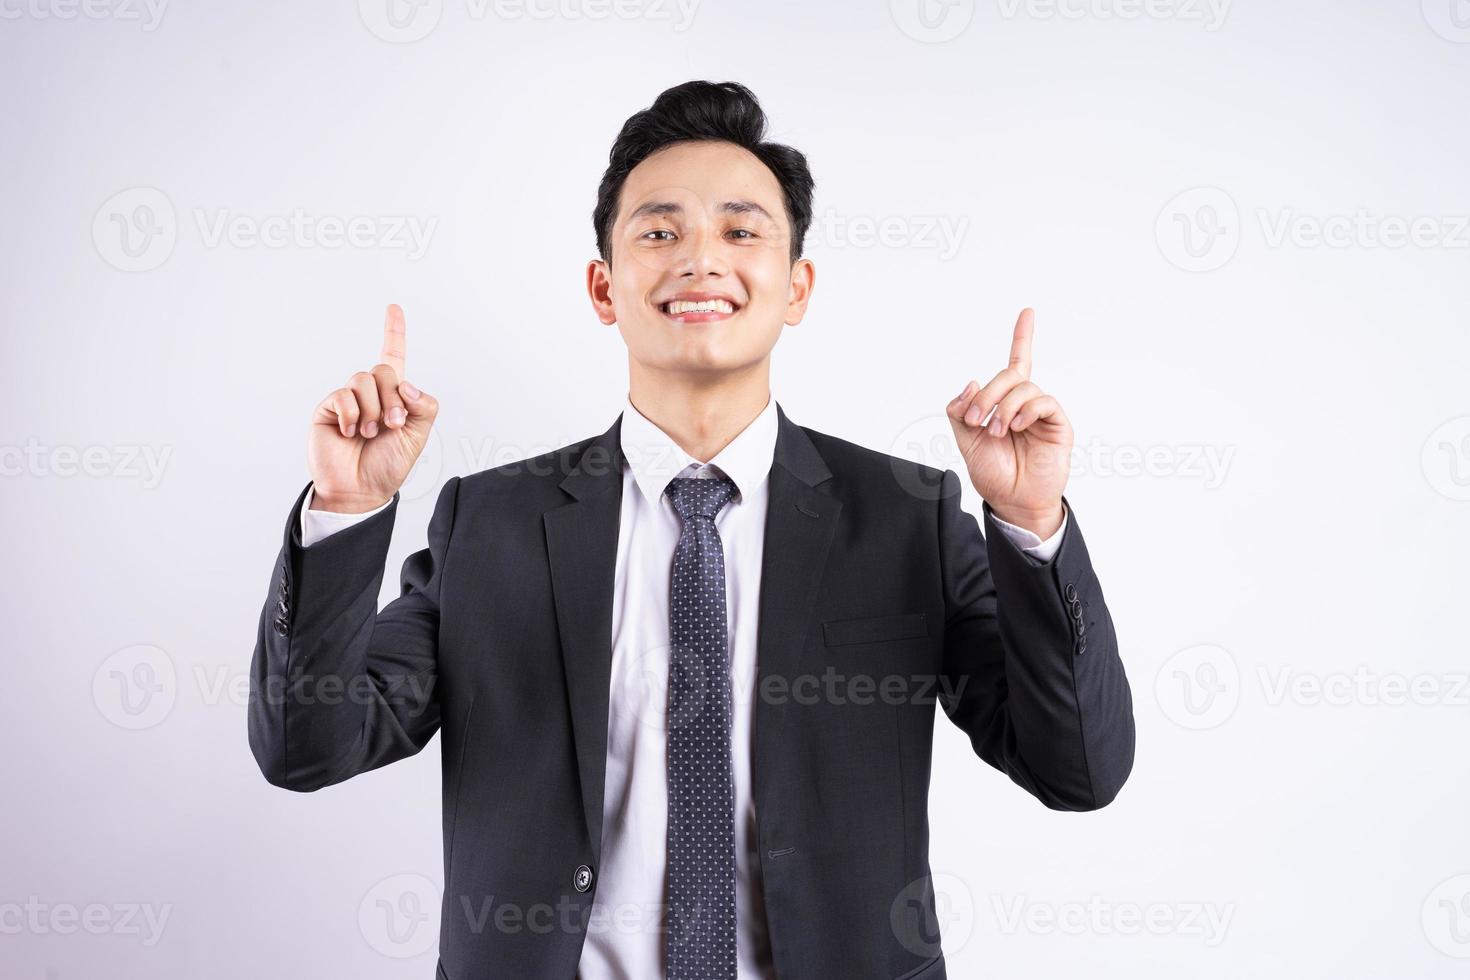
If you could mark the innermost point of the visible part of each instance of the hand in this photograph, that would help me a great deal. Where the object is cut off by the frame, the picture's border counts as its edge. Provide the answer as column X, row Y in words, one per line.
column 366, row 436
column 1019, row 462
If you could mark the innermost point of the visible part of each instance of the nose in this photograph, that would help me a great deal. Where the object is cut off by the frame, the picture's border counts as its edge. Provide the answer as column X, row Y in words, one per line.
column 700, row 257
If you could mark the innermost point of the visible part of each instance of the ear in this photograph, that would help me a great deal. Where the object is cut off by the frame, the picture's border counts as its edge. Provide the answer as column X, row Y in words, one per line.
column 803, row 280
column 599, row 290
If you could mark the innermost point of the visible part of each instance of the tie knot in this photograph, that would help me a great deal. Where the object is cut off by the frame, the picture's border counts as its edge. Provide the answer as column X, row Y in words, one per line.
column 700, row 496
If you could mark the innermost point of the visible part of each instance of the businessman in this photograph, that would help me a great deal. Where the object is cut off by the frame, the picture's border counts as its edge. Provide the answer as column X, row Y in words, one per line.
column 686, row 670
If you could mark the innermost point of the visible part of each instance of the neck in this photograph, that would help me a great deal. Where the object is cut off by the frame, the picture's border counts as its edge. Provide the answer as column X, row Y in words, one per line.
column 702, row 415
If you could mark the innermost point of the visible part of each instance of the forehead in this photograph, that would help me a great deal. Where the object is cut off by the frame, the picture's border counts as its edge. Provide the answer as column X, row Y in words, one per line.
column 705, row 174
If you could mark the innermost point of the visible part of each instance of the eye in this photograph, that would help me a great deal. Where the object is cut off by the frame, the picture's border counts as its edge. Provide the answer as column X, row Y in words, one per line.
column 659, row 231
column 746, row 232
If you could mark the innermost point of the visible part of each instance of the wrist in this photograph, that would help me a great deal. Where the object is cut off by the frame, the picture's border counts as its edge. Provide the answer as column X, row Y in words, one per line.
column 1043, row 522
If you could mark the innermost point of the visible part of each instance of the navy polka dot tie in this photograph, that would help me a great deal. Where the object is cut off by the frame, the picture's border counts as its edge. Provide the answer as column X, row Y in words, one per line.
column 699, row 941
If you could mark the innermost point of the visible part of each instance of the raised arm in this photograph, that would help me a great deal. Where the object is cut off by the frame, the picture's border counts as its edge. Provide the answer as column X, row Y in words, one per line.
column 337, row 687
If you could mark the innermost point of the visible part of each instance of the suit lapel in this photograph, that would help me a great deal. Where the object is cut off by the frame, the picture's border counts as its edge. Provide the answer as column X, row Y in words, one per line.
column 582, row 544
column 800, row 523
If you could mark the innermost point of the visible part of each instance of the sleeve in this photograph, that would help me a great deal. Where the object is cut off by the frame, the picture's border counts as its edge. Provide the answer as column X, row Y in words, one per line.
column 1031, row 665
column 318, row 524
column 1030, row 542
column 338, row 688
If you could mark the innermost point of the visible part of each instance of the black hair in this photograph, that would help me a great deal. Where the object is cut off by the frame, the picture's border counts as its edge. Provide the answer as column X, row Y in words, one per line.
column 702, row 110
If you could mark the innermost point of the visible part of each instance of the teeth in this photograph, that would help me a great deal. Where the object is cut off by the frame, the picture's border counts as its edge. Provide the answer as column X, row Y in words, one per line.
column 703, row 306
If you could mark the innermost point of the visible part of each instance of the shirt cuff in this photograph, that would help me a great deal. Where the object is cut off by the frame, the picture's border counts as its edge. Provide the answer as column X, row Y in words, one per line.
column 1029, row 541
column 318, row 524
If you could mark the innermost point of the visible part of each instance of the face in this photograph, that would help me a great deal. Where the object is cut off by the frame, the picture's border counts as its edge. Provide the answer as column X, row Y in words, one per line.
column 701, row 279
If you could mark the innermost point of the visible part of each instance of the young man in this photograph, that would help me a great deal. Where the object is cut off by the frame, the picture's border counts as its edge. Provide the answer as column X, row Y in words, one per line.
column 799, row 602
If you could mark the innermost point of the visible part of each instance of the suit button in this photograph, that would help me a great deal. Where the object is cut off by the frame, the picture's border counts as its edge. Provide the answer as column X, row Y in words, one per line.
column 1071, row 592
column 282, row 627
column 1081, row 646
column 1077, row 610
column 582, row 880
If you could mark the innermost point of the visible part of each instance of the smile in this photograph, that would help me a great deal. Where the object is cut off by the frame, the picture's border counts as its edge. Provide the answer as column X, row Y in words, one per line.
column 698, row 310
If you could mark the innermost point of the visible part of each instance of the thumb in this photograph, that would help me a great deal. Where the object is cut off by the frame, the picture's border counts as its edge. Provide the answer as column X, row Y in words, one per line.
column 957, row 409
column 422, row 408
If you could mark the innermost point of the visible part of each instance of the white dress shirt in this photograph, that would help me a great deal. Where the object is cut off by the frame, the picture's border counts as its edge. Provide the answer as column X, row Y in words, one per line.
column 624, row 934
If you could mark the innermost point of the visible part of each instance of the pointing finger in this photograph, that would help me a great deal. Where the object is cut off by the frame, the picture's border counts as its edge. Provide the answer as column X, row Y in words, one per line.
column 1021, row 342
column 395, row 340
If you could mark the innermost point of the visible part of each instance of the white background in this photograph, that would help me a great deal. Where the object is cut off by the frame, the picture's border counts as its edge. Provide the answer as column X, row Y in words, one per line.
column 1273, row 430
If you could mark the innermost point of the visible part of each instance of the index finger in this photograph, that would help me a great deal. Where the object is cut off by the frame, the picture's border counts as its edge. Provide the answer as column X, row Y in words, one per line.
column 395, row 341
column 1021, row 342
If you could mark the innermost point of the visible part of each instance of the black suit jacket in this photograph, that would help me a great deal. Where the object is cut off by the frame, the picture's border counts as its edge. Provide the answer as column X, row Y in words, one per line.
column 501, row 638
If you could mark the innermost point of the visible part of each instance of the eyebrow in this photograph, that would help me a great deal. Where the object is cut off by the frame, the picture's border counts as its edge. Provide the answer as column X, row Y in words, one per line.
column 724, row 207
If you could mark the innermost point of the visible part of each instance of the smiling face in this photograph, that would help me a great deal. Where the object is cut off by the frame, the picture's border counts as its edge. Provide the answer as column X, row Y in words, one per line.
column 701, row 279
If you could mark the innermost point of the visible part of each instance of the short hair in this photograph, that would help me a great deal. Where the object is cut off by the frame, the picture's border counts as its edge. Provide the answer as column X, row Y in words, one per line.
column 702, row 110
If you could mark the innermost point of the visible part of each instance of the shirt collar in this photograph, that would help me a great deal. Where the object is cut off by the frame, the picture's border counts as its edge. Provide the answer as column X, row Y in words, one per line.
column 656, row 459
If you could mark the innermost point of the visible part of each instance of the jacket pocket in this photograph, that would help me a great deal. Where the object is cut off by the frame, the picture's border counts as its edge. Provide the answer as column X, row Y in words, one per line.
column 875, row 629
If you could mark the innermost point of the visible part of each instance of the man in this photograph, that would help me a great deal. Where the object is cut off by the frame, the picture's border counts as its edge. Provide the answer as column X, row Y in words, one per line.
column 798, row 602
